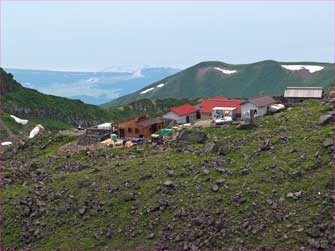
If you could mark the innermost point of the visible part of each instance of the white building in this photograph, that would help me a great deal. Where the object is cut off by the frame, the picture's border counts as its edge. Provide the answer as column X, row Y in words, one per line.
column 182, row 114
column 259, row 104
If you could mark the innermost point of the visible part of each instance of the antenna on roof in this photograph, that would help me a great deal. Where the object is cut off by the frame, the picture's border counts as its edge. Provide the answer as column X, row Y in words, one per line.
column 261, row 93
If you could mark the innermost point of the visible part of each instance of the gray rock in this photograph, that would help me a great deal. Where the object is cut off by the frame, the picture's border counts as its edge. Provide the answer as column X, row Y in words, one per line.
column 295, row 195
column 146, row 176
column 168, row 183
column 192, row 136
column 298, row 194
column 170, row 173
column 82, row 210
column 209, row 147
column 224, row 150
column 151, row 236
column 270, row 202
column 215, row 188
column 205, row 171
column 129, row 197
column 328, row 142
column 326, row 118
column 266, row 145
column 244, row 171
column 41, row 203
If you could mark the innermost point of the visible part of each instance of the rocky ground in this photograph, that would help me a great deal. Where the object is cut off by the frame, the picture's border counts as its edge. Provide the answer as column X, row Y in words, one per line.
column 270, row 187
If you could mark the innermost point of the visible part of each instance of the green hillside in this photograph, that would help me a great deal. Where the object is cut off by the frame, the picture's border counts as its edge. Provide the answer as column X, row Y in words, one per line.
column 50, row 111
column 203, row 80
column 180, row 196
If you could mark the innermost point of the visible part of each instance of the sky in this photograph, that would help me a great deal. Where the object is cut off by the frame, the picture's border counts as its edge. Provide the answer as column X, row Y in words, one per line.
column 93, row 35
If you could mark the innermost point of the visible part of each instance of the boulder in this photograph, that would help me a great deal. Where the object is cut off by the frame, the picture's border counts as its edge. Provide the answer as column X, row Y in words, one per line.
column 209, row 147
column 215, row 188
column 216, row 147
column 326, row 118
column 328, row 142
column 82, row 210
column 295, row 196
column 192, row 135
column 129, row 197
column 266, row 144
column 168, row 183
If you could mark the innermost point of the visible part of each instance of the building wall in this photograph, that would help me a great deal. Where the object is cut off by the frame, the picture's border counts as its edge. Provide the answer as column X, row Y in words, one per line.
column 205, row 115
column 291, row 101
column 180, row 119
column 261, row 111
column 134, row 130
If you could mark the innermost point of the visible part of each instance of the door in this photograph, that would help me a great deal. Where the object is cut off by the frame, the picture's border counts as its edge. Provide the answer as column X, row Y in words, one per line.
column 121, row 131
column 187, row 119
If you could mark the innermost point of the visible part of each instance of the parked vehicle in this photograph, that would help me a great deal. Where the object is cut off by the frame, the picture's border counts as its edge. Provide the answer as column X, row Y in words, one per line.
column 222, row 115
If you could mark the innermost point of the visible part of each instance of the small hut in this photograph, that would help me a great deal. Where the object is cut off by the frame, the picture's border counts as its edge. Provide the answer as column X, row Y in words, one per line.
column 299, row 94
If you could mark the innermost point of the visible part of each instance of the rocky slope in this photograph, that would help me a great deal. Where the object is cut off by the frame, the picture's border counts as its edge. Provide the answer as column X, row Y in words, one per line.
column 217, row 78
column 270, row 187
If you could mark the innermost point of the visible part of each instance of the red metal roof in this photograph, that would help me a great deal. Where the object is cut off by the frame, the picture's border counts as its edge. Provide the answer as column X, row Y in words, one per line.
column 208, row 104
column 183, row 109
column 219, row 98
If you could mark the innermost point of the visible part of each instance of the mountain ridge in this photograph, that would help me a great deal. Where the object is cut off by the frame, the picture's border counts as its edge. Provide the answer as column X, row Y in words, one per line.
column 211, row 78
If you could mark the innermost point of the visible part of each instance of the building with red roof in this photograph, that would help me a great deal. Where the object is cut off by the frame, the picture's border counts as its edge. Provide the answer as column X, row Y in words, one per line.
column 182, row 114
column 206, row 105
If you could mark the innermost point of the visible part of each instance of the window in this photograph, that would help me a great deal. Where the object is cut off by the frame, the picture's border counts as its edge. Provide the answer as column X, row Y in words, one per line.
column 137, row 130
column 130, row 130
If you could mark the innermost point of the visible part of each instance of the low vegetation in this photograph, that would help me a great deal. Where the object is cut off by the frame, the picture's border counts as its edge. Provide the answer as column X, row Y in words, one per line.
column 206, row 79
column 270, row 187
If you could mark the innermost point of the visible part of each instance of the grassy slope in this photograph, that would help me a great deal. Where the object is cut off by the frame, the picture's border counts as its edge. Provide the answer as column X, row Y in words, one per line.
column 267, row 76
column 113, row 173
column 32, row 104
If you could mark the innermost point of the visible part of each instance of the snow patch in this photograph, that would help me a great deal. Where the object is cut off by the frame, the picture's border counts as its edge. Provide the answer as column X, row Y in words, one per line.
column 225, row 71
column 6, row 143
column 35, row 131
column 310, row 68
column 19, row 121
column 160, row 85
column 147, row 90
column 106, row 126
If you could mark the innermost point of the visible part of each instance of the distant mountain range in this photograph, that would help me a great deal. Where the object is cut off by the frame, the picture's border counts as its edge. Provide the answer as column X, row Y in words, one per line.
column 90, row 87
column 215, row 78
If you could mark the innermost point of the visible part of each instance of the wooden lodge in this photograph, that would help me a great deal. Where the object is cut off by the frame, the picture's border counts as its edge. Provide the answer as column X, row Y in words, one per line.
column 138, row 127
